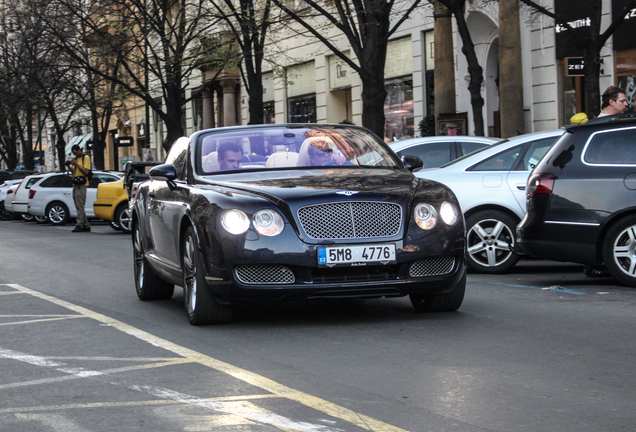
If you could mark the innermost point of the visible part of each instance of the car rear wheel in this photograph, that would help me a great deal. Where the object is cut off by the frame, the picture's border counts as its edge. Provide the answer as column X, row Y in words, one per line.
column 27, row 217
column 148, row 285
column 619, row 250
column 446, row 302
column 41, row 219
column 489, row 236
column 122, row 218
column 4, row 214
column 57, row 213
column 201, row 306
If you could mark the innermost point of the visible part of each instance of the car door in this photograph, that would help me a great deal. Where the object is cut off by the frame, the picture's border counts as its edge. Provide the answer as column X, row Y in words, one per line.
column 528, row 158
column 166, row 205
column 488, row 180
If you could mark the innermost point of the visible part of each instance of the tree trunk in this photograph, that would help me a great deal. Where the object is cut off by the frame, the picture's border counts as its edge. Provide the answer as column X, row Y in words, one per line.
column 592, row 62
column 510, row 70
column 27, row 145
column 474, row 71
column 373, row 99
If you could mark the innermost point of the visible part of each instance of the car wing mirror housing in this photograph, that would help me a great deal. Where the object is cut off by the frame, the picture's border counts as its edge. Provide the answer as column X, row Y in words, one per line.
column 412, row 163
column 165, row 172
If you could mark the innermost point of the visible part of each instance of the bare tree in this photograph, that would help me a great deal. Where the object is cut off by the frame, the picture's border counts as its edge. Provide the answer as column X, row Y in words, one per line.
column 149, row 48
column 590, row 40
column 248, row 23
column 368, row 26
column 475, row 71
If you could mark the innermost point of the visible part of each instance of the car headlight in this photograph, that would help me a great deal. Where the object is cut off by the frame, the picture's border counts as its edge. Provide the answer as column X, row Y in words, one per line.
column 268, row 222
column 425, row 216
column 235, row 221
column 449, row 213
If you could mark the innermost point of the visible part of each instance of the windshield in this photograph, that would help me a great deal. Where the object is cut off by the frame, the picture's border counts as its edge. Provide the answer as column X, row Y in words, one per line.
column 284, row 147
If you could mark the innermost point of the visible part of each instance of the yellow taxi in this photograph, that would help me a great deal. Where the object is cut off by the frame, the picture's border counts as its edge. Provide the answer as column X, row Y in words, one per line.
column 112, row 205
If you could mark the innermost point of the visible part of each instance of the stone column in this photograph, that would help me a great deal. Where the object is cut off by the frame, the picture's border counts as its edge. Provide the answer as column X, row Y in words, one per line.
column 510, row 71
column 444, row 74
column 229, row 101
column 208, row 109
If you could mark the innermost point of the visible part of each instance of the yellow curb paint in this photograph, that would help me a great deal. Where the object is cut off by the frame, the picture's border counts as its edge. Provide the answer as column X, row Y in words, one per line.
column 267, row 384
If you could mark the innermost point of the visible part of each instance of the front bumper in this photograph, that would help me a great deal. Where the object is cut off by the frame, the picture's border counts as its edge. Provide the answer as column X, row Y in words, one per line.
column 249, row 282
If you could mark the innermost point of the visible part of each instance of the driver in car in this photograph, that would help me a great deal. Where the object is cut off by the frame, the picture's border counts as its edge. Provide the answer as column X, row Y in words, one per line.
column 229, row 156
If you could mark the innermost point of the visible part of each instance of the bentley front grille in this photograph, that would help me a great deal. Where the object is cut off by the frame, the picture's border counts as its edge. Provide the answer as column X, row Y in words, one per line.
column 432, row 266
column 351, row 220
column 264, row 274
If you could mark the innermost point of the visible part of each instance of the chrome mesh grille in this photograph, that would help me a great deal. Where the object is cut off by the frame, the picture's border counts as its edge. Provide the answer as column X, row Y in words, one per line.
column 349, row 220
column 264, row 274
column 432, row 266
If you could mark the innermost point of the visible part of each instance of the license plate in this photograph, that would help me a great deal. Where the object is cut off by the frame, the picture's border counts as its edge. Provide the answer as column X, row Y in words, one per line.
column 356, row 255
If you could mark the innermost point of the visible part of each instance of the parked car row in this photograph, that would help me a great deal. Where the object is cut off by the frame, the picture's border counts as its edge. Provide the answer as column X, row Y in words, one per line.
column 48, row 197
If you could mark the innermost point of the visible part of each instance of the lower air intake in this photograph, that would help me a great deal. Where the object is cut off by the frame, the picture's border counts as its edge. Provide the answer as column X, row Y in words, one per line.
column 264, row 274
column 432, row 266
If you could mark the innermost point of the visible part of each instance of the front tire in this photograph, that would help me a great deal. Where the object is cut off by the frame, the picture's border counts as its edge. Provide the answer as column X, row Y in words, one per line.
column 489, row 236
column 58, row 213
column 445, row 302
column 148, row 285
column 41, row 219
column 201, row 306
column 619, row 251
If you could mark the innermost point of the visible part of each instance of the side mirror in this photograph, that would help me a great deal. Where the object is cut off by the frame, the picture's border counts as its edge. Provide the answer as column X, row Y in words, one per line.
column 165, row 172
column 412, row 163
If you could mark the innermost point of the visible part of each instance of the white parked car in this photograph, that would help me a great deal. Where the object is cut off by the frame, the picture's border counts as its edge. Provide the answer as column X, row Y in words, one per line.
column 21, row 197
column 436, row 151
column 52, row 196
column 5, row 188
column 491, row 187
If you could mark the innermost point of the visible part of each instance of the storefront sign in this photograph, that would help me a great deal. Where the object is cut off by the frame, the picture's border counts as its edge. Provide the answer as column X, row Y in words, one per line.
column 624, row 35
column 124, row 141
column 575, row 66
column 577, row 14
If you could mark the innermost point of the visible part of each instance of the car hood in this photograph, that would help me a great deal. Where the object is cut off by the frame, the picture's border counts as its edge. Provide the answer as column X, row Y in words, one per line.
column 322, row 184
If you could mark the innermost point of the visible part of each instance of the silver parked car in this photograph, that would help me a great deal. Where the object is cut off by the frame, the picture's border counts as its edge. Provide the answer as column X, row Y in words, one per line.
column 490, row 185
column 436, row 151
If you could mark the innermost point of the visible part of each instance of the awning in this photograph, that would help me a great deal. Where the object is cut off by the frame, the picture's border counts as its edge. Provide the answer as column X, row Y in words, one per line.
column 80, row 140
column 71, row 143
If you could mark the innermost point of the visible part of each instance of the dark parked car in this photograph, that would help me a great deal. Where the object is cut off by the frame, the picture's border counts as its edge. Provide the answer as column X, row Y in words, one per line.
column 14, row 174
column 582, row 198
column 334, row 213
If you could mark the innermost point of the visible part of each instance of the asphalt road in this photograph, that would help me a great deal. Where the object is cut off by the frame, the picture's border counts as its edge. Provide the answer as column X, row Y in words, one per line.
column 541, row 349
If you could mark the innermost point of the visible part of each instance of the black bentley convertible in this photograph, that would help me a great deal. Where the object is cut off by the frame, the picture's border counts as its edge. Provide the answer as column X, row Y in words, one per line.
column 307, row 211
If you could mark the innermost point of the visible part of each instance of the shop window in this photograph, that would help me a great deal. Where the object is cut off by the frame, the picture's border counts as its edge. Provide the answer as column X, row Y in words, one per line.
column 302, row 109
column 398, row 108
column 269, row 113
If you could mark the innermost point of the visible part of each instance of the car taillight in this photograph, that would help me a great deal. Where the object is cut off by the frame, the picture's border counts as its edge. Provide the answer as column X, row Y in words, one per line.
column 540, row 184
column 133, row 193
column 9, row 191
column 31, row 194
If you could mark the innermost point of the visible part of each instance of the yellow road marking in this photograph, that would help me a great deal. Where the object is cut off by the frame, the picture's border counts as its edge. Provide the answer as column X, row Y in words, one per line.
column 254, row 379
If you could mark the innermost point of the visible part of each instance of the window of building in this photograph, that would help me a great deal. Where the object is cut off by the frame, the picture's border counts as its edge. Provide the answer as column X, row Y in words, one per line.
column 398, row 106
column 301, row 93
column 302, row 109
